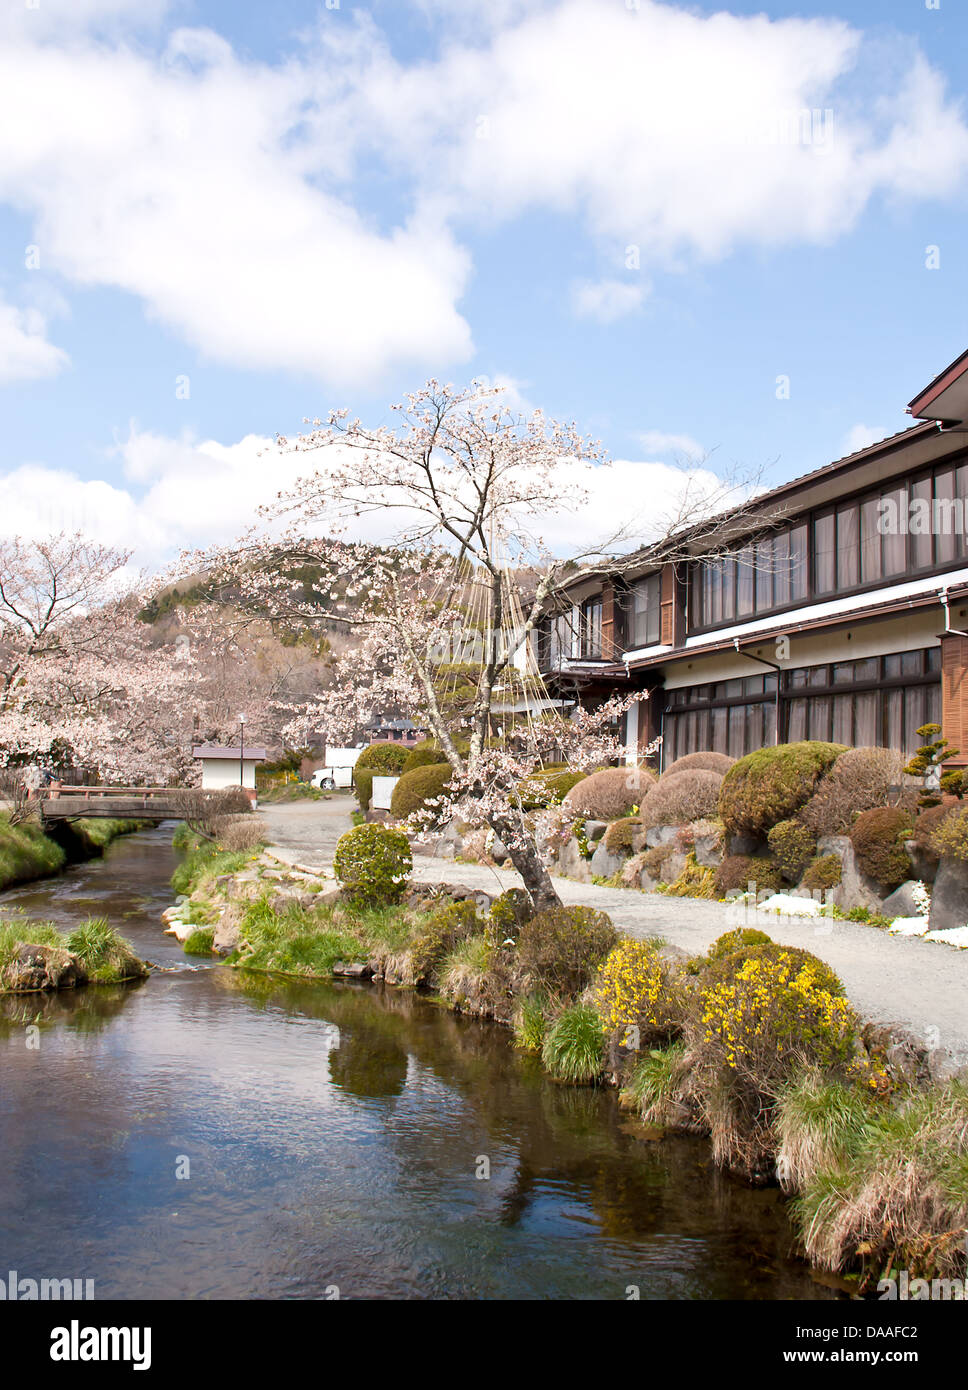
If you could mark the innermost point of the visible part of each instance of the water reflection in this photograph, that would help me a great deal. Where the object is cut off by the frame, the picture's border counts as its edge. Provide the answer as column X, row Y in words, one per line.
column 334, row 1136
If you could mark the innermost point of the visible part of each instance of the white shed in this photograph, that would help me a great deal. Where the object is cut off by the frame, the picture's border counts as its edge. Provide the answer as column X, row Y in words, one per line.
column 228, row 767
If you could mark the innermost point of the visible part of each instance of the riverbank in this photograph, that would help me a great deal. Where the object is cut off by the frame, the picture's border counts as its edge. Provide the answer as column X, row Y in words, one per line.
column 752, row 1043
column 28, row 853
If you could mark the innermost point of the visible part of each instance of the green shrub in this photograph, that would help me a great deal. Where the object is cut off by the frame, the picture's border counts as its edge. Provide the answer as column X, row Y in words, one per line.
column 447, row 928
column 931, row 757
column 826, row 871
column 680, row 797
column 737, row 940
column 859, row 780
column 694, row 881
column 508, row 914
column 624, row 834
column 574, row 1048
column 549, row 787
column 373, row 862
column 793, row 847
column 705, row 762
column 415, row 789
column 424, row 754
column 876, row 837
column 950, row 835
column 106, row 956
column 383, row 759
column 609, row 794
column 771, row 784
column 561, row 949
column 738, row 871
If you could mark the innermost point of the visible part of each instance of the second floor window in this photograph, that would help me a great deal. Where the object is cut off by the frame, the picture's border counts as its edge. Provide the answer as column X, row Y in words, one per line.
column 646, row 614
column 591, row 629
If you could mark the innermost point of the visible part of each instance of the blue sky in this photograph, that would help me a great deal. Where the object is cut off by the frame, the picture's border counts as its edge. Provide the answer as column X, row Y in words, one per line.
column 299, row 206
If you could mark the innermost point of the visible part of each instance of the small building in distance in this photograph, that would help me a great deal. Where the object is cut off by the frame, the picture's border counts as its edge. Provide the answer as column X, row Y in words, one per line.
column 228, row 767
column 395, row 731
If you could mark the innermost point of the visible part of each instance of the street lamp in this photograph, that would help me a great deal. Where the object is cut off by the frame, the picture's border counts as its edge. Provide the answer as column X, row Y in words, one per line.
column 241, row 750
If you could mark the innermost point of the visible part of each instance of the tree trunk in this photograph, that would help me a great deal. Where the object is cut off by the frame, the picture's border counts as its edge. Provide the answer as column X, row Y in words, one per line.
column 525, row 858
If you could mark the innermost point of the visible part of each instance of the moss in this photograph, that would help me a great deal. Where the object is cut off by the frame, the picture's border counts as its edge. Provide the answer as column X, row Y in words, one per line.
column 623, row 834
column 654, row 860
column 876, row 837
column 445, row 930
column 771, row 784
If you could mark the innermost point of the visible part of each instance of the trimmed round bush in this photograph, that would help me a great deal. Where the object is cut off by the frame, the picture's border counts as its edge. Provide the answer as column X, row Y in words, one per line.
column 771, row 784
column 382, row 759
column 876, row 837
column 609, row 794
column 793, row 846
column 561, row 949
column 859, row 780
column 703, row 762
column 826, row 871
column 424, row 755
column 681, row 797
column 548, row 787
column 736, row 940
column 373, row 862
column 738, row 871
column 416, row 788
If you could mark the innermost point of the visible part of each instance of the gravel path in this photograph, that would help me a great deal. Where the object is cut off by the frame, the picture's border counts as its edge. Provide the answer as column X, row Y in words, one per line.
column 920, row 985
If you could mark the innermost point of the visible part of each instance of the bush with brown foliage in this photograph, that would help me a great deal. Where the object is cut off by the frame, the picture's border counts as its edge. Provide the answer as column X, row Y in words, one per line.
column 243, row 832
column 704, row 762
column 928, row 822
column 609, row 794
column 859, row 780
column 624, row 834
column 826, row 871
column 877, row 837
column 681, row 797
column 738, row 871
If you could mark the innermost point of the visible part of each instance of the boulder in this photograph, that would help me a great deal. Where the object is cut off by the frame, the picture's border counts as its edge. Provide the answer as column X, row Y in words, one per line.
column 709, row 851
column 36, row 968
column 949, row 896
column 572, row 863
column 660, row 835
column 744, row 844
column 594, row 830
column 902, row 902
column 225, row 937
column 925, row 865
column 855, row 889
column 352, row 970
column 603, row 863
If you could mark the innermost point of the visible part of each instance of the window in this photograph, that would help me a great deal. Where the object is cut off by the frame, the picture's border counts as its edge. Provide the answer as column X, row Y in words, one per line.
column 646, row 613
column 591, row 629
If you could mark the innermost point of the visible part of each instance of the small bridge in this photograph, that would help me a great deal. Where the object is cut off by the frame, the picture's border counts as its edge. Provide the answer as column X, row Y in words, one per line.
column 114, row 803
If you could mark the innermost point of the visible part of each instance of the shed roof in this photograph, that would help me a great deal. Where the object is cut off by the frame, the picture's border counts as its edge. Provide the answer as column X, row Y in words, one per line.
column 251, row 753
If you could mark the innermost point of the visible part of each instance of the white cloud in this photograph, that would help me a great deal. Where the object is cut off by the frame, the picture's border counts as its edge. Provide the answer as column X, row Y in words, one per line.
column 859, row 436
column 220, row 190
column 25, row 353
column 606, row 300
column 656, row 442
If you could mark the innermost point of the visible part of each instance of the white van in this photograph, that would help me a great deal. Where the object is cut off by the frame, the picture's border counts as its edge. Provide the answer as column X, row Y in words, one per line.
column 338, row 771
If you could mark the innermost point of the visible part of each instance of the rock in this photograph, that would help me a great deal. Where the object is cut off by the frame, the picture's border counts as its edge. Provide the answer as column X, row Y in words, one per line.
column 36, row 968
column 908, row 1060
column 743, row 844
column 352, row 970
column 902, row 902
column 291, row 897
column 328, row 896
column 855, row 889
column 572, row 863
column 709, row 851
column 603, row 863
column 594, row 830
column 949, row 897
column 660, row 835
column 925, row 865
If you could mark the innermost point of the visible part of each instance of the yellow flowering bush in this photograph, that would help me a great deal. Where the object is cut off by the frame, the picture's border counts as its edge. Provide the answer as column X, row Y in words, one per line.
column 639, row 989
column 765, row 1007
